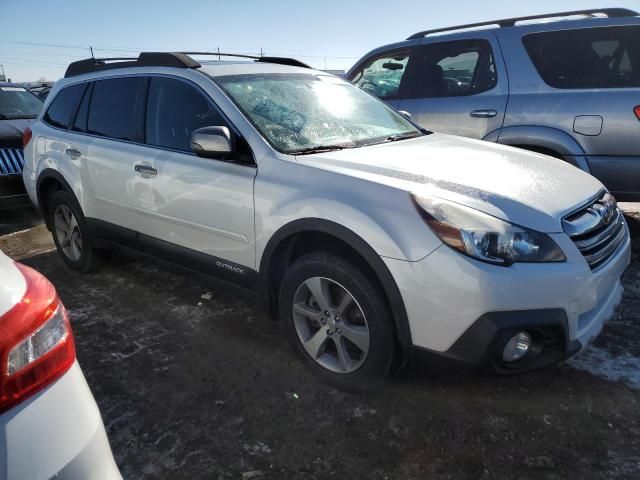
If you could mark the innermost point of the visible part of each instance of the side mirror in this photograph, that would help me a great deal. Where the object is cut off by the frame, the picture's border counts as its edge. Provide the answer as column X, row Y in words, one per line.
column 405, row 114
column 211, row 142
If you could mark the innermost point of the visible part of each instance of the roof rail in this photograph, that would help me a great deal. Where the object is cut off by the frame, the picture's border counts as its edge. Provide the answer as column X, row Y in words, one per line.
column 163, row 59
column 145, row 59
column 292, row 62
column 510, row 22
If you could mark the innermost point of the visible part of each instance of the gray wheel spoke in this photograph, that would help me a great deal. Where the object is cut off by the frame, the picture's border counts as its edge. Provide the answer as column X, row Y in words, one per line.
column 319, row 288
column 315, row 345
column 308, row 312
column 356, row 334
column 346, row 302
column 343, row 355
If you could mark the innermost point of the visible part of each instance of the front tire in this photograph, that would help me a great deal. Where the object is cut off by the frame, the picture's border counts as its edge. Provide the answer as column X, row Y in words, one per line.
column 71, row 234
column 337, row 321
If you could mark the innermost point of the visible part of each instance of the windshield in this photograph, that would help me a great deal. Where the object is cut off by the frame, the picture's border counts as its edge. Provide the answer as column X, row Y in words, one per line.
column 18, row 102
column 298, row 112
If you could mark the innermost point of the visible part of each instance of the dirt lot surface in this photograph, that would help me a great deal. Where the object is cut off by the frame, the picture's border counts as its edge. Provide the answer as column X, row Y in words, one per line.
column 195, row 382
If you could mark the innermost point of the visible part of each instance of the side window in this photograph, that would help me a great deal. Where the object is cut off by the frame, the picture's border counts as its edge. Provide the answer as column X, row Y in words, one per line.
column 80, row 123
column 62, row 109
column 451, row 69
column 174, row 110
column 382, row 76
column 117, row 108
column 607, row 57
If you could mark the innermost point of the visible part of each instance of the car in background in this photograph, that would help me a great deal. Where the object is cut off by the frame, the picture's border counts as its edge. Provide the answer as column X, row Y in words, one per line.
column 18, row 108
column 564, row 84
column 40, row 89
column 50, row 425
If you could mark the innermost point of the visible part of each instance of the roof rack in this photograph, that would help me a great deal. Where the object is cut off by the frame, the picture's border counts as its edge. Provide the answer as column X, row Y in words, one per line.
column 163, row 59
column 510, row 22
column 292, row 62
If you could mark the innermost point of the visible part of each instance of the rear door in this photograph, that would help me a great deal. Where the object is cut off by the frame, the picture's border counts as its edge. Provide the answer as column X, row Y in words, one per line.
column 458, row 87
column 115, row 122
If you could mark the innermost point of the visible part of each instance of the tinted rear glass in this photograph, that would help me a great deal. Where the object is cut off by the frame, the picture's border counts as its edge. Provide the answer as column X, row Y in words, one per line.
column 117, row 108
column 587, row 58
column 63, row 108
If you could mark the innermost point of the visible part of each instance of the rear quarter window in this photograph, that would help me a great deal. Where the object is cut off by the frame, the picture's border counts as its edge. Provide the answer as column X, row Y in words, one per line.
column 603, row 57
column 62, row 109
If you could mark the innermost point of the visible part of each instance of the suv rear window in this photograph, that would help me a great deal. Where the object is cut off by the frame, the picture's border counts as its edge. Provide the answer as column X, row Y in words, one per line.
column 117, row 108
column 61, row 111
column 605, row 57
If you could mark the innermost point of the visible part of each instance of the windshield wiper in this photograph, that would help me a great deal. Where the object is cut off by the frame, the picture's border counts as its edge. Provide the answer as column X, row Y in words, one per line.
column 318, row 149
column 3, row 117
column 395, row 138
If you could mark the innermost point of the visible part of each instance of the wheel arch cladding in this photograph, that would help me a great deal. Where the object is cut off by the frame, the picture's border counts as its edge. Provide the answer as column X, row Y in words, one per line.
column 48, row 182
column 319, row 233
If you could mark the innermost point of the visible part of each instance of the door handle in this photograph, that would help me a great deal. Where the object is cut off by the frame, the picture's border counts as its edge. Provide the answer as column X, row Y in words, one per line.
column 483, row 113
column 146, row 170
column 73, row 152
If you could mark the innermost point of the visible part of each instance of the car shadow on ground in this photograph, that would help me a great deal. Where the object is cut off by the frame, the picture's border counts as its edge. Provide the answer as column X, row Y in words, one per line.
column 12, row 221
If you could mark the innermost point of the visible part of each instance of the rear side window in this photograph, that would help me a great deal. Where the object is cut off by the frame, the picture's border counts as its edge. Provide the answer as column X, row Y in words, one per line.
column 383, row 75
column 61, row 111
column 117, row 108
column 450, row 69
column 606, row 57
column 174, row 110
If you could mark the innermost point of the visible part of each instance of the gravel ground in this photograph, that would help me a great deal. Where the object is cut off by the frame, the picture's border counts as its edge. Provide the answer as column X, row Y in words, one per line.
column 195, row 382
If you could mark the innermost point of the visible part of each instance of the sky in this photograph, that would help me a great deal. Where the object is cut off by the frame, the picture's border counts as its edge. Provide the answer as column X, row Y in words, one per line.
column 327, row 34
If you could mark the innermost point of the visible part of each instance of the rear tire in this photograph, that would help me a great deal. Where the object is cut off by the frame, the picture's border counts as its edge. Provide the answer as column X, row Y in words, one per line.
column 337, row 322
column 71, row 234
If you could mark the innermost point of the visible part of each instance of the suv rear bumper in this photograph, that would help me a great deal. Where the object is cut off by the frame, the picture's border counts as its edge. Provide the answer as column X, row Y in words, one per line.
column 462, row 312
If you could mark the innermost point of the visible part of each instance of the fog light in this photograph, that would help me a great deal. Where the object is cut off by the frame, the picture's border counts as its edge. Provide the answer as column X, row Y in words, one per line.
column 517, row 347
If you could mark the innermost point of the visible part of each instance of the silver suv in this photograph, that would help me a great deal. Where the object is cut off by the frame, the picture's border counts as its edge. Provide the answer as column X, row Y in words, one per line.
column 372, row 240
column 565, row 84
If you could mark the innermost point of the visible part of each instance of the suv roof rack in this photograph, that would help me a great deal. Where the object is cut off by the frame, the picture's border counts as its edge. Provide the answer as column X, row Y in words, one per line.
column 292, row 62
column 163, row 59
column 510, row 22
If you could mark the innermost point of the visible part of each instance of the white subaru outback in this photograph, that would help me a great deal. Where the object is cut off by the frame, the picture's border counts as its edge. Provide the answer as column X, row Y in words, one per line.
column 374, row 241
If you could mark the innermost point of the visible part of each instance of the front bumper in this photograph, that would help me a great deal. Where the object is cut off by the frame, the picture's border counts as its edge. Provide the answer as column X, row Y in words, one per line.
column 461, row 311
column 58, row 434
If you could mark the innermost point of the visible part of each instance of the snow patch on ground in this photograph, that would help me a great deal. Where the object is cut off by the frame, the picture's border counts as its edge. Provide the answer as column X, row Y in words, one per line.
column 603, row 364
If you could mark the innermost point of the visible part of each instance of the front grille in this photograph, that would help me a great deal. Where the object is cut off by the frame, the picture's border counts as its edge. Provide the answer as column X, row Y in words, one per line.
column 11, row 161
column 597, row 230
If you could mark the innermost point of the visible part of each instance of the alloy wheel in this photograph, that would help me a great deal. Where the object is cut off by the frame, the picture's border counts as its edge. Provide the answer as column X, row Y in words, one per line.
column 331, row 325
column 68, row 233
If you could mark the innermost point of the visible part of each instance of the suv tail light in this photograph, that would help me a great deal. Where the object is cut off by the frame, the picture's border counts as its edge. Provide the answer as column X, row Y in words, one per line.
column 36, row 343
column 26, row 137
column 636, row 110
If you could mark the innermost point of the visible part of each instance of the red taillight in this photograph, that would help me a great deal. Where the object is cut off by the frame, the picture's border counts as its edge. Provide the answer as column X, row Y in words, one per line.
column 636, row 110
column 26, row 137
column 36, row 343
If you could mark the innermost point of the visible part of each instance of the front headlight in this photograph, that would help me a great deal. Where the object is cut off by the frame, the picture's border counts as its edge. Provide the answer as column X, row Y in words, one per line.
column 484, row 237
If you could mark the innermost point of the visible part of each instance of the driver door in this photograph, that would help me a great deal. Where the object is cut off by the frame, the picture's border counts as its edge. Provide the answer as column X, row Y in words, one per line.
column 383, row 74
column 203, row 205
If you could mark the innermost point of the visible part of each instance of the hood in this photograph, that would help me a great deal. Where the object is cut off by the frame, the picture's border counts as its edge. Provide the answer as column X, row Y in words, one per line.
column 11, row 131
column 512, row 184
column 12, row 284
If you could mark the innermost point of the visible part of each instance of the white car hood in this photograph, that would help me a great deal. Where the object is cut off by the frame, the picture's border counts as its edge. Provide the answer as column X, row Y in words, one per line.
column 12, row 284
column 525, row 188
